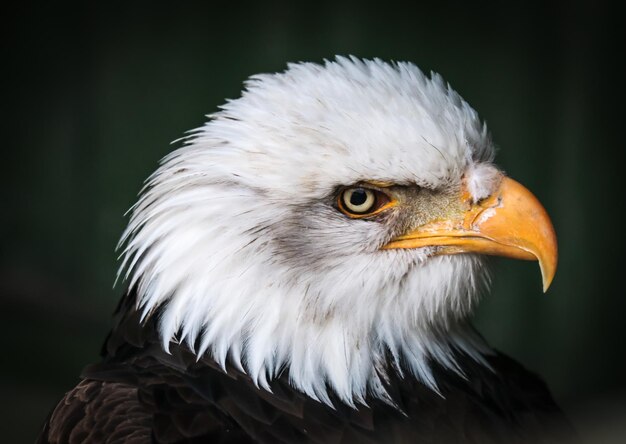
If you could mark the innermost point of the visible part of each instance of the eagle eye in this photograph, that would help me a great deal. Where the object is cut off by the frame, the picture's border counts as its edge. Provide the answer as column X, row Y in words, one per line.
column 361, row 201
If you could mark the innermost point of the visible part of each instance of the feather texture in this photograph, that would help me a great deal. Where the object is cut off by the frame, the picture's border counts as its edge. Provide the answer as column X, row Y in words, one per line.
column 141, row 394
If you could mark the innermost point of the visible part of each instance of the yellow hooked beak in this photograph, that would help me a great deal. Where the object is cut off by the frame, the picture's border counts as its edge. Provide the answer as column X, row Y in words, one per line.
column 510, row 223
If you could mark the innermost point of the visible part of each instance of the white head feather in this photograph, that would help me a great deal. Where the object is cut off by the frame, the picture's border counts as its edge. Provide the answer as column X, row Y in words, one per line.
column 236, row 235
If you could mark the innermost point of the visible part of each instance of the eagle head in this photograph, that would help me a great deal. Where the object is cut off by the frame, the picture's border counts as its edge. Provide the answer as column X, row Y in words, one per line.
column 331, row 223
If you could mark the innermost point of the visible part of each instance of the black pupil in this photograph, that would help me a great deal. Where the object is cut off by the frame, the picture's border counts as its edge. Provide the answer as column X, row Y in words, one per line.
column 358, row 197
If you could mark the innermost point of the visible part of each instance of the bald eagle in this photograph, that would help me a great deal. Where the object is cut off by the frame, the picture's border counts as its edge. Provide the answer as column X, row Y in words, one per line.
column 304, row 267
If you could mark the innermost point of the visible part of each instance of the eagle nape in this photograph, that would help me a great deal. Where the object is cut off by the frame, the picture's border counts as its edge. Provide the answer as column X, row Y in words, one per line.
column 304, row 269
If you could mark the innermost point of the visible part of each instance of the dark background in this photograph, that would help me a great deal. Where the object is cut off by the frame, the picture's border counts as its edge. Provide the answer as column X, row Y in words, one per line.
column 95, row 94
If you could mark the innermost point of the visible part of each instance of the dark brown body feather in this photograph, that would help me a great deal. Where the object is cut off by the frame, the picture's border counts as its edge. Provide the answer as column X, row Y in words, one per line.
column 141, row 394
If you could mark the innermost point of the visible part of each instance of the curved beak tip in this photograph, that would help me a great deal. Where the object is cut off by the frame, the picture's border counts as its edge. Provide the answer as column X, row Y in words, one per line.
column 547, row 278
column 548, row 268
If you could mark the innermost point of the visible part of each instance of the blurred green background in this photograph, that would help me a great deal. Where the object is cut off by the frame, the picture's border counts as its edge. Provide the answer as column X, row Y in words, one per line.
column 96, row 93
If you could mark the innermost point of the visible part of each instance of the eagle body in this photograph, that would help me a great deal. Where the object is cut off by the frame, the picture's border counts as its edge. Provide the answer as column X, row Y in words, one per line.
column 139, row 394
column 303, row 270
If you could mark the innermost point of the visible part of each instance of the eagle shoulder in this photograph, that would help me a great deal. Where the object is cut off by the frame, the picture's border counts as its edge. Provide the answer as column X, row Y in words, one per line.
column 98, row 411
